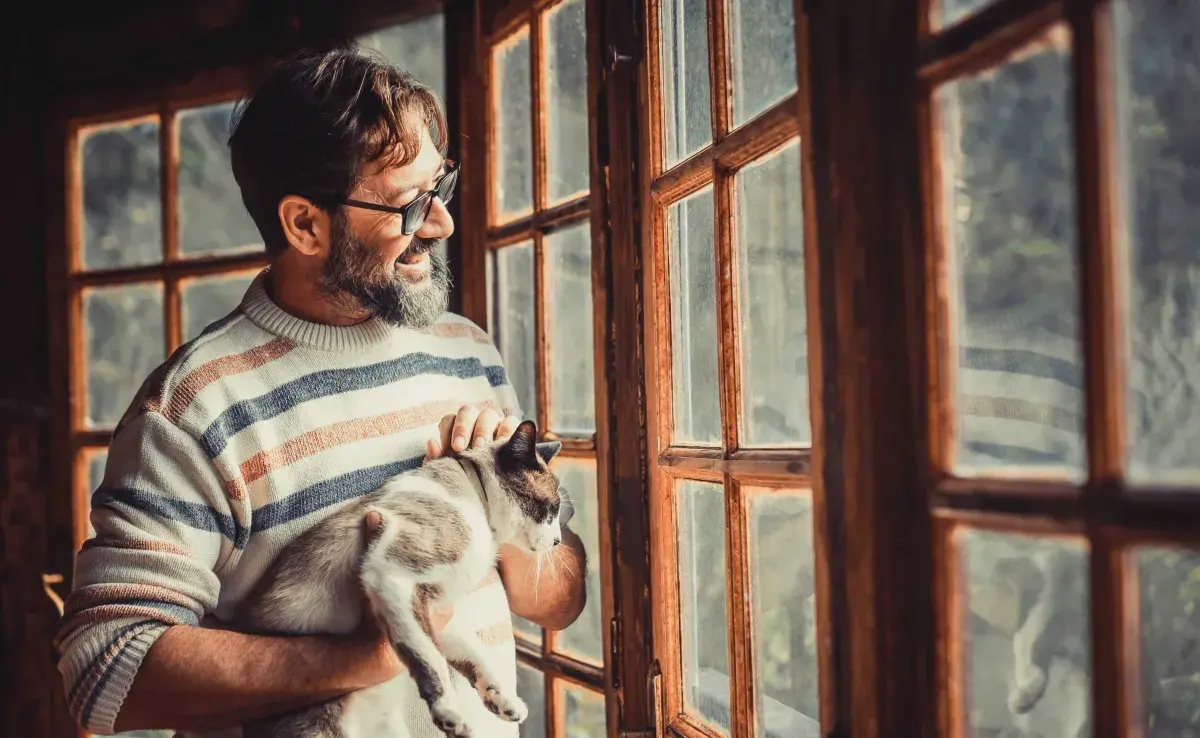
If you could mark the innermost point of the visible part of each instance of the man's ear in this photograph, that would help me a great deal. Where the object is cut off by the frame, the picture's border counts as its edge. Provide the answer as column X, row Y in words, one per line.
column 305, row 225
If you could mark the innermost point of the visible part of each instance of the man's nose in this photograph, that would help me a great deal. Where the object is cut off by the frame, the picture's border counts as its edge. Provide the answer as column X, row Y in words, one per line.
column 439, row 224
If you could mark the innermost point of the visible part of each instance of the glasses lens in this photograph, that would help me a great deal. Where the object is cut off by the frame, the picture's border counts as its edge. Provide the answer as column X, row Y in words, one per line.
column 445, row 188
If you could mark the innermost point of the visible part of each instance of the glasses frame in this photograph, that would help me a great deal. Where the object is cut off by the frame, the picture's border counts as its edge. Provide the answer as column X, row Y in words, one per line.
column 415, row 213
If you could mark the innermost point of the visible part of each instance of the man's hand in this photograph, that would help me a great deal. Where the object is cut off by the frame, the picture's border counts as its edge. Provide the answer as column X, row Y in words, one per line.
column 471, row 425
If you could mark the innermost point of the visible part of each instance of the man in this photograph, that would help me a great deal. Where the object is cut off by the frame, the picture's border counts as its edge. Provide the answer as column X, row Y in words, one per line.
column 339, row 369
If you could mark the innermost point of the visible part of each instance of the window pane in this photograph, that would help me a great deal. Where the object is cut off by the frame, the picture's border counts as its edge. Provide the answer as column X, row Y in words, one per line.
column 783, row 588
column 683, row 54
column 513, row 160
column 585, row 638
column 515, row 331
column 583, row 712
column 1169, row 584
column 529, row 629
column 567, row 144
column 773, row 319
column 531, row 687
column 122, row 202
column 1009, row 199
column 418, row 47
column 212, row 218
column 569, row 325
column 205, row 300
column 95, row 461
column 948, row 12
column 1158, row 55
column 697, row 397
column 701, row 511
column 124, row 341
column 764, row 55
column 1026, row 651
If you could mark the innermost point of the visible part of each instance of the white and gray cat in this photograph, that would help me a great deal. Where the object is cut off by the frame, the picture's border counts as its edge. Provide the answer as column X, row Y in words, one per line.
column 442, row 524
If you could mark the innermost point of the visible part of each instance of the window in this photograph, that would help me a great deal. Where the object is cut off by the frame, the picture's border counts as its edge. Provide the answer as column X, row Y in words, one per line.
column 733, row 510
column 1061, row 176
column 539, row 289
column 148, row 271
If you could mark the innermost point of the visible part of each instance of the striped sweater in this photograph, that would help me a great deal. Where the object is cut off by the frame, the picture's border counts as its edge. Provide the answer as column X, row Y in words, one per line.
column 242, row 440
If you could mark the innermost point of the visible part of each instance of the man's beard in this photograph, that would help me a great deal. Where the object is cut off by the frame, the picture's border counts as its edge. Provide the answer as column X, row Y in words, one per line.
column 355, row 276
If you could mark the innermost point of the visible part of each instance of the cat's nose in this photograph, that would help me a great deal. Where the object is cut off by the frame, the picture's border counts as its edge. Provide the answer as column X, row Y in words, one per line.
column 557, row 540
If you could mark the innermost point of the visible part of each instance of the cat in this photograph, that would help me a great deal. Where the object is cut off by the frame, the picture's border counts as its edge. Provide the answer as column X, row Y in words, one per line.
column 442, row 524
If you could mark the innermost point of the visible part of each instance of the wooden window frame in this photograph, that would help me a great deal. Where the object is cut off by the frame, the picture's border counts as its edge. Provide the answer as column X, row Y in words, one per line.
column 484, row 234
column 1105, row 511
column 782, row 470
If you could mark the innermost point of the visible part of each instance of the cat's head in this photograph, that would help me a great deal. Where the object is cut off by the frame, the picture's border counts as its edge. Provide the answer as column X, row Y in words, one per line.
column 525, row 505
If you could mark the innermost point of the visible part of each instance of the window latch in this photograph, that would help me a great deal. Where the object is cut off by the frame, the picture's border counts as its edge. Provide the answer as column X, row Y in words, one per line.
column 615, row 57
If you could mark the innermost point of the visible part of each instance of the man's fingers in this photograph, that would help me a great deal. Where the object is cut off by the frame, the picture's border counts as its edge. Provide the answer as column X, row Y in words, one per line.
column 507, row 427
column 485, row 427
column 374, row 523
column 464, row 423
column 433, row 449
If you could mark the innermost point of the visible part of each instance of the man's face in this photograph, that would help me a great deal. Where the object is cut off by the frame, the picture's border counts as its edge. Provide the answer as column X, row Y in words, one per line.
column 373, row 266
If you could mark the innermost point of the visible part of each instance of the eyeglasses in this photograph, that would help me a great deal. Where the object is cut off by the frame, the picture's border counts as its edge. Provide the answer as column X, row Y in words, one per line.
column 413, row 214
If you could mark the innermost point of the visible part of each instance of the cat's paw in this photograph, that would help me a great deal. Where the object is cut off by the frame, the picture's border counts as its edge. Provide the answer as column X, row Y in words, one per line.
column 1027, row 695
column 448, row 719
column 505, row 706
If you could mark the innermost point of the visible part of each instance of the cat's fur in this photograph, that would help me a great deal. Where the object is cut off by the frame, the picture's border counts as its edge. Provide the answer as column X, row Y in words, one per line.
column 442, row 524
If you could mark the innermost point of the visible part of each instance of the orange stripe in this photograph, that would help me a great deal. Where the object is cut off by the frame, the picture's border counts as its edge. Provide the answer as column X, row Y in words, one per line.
column 341, row 433
column 135, row 545
column 495, row 635
column 99, row 594
column 459, row 330
column 195, row 382
column 106, row 613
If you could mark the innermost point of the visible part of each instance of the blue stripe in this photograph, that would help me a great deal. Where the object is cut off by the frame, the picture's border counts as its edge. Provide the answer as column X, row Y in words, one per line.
column 191, row 514
column 1022, row 361
column 331, row 382
column 1014, row 454
column 100, row 657
column 329, row 492
column 181, row 614
column 86, row 717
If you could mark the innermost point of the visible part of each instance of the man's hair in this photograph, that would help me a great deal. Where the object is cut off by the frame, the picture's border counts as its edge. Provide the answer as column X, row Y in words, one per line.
column 316, row 122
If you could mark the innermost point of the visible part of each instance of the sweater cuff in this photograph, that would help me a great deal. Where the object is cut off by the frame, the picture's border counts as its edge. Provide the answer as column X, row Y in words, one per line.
column 104, row 685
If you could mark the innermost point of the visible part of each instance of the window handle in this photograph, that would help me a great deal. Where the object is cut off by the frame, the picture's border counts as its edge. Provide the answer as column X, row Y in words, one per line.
column 48, row 582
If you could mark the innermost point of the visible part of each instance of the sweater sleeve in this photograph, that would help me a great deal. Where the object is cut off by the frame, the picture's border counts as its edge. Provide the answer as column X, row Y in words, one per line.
column 163, row 525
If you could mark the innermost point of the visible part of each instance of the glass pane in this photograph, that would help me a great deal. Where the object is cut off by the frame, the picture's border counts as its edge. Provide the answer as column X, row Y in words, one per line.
column 418, row 47
column 1009, row 199
column 95, row 461
column 205, row 300
column 569, row 329
column 531, row 687
column 947, row 12
column 515, row 332
column 697, row 396
column 567, row 102
column 212, row 218
column 123, row 342
column 683, row 54
column 1026, row 650
column 122, row 202
column 1169, row 585
column 773, row 319
column 583, row 712
column 764, row 55
column 527, row 628
column 1158, row 55
column 783, row 588
column 513, row 160
column 585, row 638
column 701, row 510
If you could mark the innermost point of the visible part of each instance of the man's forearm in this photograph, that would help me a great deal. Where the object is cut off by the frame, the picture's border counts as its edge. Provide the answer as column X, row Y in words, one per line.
column 206, row 679
column 553, row 594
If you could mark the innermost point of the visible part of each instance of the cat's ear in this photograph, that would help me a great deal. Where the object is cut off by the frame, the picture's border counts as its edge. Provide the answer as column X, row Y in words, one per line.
column 520, row 451
column 548, row 450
